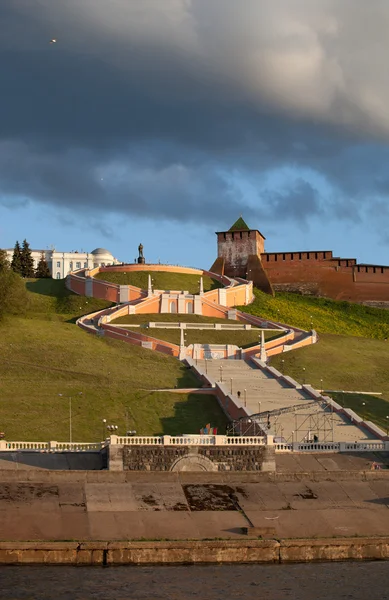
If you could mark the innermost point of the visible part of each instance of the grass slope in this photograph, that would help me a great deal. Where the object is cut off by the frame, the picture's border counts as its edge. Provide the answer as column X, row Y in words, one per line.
column 242, row 338
column 322, row 314
column 351, row 354
column 44, row 354
column 161, row 280
column 344, row 363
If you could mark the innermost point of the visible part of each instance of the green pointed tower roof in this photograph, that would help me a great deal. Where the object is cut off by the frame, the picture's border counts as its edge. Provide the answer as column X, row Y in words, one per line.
column 239, row 225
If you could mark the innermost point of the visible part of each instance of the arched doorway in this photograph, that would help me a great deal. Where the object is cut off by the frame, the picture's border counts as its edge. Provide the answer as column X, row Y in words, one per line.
column 193, row 462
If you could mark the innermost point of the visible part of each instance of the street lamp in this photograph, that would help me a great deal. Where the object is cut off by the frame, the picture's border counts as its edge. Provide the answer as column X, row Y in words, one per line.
column 70, row 413
column 245, row 397
column 104, row 425
column 387, row 424
column 282, row 364
column 292, row 437
column 259, row 406
column 206, row 366
column 231, row 384
column 221, row 373
column 321, row 386
column 304, row 375
column 112, row 428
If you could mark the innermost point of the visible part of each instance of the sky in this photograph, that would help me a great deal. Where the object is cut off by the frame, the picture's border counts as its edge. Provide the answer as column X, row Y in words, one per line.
column 162, row 121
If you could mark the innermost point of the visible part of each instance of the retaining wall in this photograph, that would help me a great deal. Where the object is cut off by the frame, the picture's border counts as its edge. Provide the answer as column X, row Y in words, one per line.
column 193, row 552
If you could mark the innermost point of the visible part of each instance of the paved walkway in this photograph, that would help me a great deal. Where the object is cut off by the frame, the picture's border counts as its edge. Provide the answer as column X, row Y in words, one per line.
column 161, row 507
column 264, row 393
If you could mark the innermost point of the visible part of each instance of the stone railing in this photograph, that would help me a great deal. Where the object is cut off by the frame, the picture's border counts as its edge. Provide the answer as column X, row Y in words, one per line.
column 332, row 447
column 181, row 325
column 194, row 440
column 50, row 446
column 188, row 440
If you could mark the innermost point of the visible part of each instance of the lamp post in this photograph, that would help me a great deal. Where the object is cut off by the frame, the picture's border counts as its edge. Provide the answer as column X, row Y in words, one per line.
column 221, row 373
column 231, row 384
column 321, row 386
column 245, row 396
column 282, row 364
column 112, row 428
column 104, row 425
column 304, row 375
column 292, row 439
column 70, row 414
column 387, row 425
column 206, row 366
column 259, row 406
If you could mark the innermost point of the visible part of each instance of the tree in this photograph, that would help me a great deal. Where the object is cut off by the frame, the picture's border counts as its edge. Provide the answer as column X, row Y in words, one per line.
column 4, row 262
column 42, row 269
column 27, row 260
column 16, row 263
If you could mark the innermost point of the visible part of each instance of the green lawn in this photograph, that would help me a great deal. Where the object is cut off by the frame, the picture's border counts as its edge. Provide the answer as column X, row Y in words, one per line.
column 161, row 280
column 242, row 338
column 343, row 363
column 324, row 315
column 44, row 354
column 50, row 300
column 370, row 408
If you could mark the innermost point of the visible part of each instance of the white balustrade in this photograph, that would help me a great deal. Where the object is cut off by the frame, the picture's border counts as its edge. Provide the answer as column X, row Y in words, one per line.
column 49, row 446
column 193, row 440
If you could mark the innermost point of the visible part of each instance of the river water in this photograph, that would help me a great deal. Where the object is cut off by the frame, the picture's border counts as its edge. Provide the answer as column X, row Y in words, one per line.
column 325, row 581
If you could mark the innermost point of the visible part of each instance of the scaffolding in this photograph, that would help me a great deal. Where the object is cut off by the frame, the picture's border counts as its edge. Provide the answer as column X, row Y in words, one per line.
column 316, row 425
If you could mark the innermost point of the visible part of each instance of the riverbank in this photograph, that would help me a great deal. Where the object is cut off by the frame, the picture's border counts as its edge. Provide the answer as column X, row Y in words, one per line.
column 193, row 552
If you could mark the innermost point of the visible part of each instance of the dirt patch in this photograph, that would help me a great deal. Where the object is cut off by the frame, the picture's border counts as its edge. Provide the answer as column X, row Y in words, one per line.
column 307, row 495
column 179, row 506
column 150, row 500
column 26, row 493
column 210, row 497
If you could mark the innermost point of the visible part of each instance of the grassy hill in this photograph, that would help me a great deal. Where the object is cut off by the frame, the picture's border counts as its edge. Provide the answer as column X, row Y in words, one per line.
column 351, row 354
column 344, row 363
column 44, row 354
column 241, row 338
column 322, row 314
column 161, row 280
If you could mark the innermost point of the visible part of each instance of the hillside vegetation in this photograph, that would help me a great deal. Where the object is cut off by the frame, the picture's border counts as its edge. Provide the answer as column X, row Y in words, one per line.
column 322, row 314
column 161, row 280
column 44, row 354
column 242, row 338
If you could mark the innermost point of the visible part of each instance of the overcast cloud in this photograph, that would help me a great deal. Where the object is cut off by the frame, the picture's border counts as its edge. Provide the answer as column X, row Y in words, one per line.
column 162, row 108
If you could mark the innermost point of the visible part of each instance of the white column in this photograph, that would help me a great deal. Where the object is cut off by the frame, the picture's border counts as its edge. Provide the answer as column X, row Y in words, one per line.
column 149, row 288
column 263, row 355
column 201, row 286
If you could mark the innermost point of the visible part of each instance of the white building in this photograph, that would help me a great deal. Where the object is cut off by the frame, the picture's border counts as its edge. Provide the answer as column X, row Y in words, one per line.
column 63, row 263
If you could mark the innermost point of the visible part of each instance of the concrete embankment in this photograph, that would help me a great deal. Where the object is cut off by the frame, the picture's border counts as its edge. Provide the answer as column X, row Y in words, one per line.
column 193, row 552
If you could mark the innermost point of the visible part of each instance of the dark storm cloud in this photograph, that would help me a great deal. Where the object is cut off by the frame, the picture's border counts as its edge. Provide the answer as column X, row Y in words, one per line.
column 152, row 108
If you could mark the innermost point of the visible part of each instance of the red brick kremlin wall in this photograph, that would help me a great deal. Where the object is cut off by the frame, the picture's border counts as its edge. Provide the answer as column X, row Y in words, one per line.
column 318, row 272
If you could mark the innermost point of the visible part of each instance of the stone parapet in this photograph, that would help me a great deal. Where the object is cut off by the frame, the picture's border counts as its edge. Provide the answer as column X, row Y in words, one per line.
column 194, row 552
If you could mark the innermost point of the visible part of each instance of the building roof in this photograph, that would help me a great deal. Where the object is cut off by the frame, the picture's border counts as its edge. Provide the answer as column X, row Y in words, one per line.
column 239, row 225
column 100, row 251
